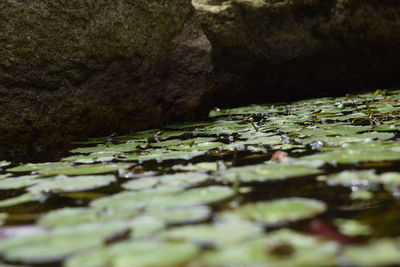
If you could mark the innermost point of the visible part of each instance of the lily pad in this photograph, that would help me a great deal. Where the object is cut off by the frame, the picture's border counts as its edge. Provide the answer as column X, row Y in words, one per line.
column 165, row 198
column 269, row 172
column 63, row 183
column 340, row 140
column 219, row 235
column 161, row 155
column 126, row 147
column 201, row 166
column 92, row 158
column 74, row 216
column 58, row 243
column 353, row 227
column 356, row 155
column 84, row 169
column 181, row 215
column 6, row 175
column 33, row 167
column 68, row 216
column 184, row 180
column 281, row 211
column 145, row 253
column 4, row 163
column 18, row 182
column 24, row 198
column 383, row 252
column 280, row 248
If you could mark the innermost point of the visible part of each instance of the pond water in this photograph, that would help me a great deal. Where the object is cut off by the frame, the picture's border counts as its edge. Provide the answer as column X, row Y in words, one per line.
column 310, row 183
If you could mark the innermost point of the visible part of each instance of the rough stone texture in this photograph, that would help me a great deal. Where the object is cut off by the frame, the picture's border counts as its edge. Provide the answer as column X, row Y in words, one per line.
column 268, row 50
column 76, row 68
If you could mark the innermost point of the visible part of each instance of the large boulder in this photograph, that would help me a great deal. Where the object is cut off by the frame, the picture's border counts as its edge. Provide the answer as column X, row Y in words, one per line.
column 265, row 50
column 76, row 68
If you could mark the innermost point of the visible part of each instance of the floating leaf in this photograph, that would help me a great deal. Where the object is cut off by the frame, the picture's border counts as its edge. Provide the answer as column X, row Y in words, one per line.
column 4, row 163
column 201, row 166
column 145, row 253
column 84, row 169
column 165, row 198
column 353, row 227
column 28, row 197
column 126, row 147
column 356, row 155
column 92, row 158
column 382, row 252
column 219, row 235
column 56, row 244
column 269, row 172
column 31, row 167
column 181, row 215
column 2, row 176
column 162, row 154
column 71, row 184
column 18, row 182
column 280, row 248
column 179, row 180
column 281, row 211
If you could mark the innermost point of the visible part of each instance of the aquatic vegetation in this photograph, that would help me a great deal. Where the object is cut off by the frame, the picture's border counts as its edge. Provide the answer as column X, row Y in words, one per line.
column 296, row 184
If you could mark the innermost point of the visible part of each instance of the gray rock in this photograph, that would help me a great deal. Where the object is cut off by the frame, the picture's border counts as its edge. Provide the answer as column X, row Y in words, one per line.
column 266, row 50
column 76, row 68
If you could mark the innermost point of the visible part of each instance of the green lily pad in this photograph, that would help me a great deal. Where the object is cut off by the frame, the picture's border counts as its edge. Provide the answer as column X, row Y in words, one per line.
column 4, row 163
column 74, row 216
column 6, row 175
column 126, row 147
column 84, row 169
column 58, row 243
column 364, row 180
column 355, row 155
column 262, row 141
column 178, row 142
column 280, row 248
column 32, row 167
column 162, row 154
column 18, row 182
column 145, row 253
column 181, row 215
column 269, row 172
column 92, row 158
column 68, row 216
column 71, row 184
column 219, row 235
column 201, row 166
column 184, row 180
column 383, row 252
column 341, row 140
column 21, row 199
column 352, row 178
column 165, row 198
column 197, row 147
column 281, row 211
column 353, row 227
column 253, row 109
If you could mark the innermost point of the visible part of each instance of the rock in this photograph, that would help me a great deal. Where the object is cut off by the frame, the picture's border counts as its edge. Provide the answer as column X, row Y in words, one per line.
column 268, row 50
column 71, row 69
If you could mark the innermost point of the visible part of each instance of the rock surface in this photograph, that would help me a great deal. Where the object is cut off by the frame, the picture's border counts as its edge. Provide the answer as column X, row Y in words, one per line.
column 72, row 68
column 268, row 50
